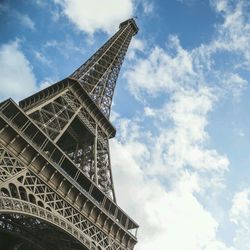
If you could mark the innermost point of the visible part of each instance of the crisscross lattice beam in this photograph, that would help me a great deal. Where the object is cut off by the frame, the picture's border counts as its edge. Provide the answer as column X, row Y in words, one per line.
column 98, row 75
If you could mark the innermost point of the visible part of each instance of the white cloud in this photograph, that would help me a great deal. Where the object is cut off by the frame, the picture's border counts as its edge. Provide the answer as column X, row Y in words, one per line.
column 91, row 16
column 42, row 58
column 149, row 112
column 164, row 169
column 148, row 7
column 188, row 111
column 240, row 215
column 234, row 32
column 135, row 46
column 165, row 70
column 22, row 19
column 66, row 47
column 221, row 5
column 161, row 72
column 25, row 20
column 241, row 133
column 190, row 102
column 166, row 213
column 235, row 84
column 16, row 72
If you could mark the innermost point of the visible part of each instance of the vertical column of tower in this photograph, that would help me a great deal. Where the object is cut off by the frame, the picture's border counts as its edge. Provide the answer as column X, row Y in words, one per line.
column 98, row 77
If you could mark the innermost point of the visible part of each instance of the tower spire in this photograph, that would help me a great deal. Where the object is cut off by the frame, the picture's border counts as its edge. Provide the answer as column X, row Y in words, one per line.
column 99, row 73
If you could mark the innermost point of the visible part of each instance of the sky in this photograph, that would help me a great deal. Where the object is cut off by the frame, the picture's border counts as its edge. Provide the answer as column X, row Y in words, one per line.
column 181, row 156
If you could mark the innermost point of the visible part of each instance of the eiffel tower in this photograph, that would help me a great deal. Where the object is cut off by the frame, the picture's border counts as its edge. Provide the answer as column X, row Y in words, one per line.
column 56, row 184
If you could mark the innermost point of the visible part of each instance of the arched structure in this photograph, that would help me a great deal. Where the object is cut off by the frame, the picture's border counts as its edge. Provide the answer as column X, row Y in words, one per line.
column 29, row 225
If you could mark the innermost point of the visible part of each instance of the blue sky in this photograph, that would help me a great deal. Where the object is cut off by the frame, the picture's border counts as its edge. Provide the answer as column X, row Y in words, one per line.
column 181, row 108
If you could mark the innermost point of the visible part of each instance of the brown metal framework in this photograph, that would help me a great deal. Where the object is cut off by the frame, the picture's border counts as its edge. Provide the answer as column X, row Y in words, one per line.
column 56, row 185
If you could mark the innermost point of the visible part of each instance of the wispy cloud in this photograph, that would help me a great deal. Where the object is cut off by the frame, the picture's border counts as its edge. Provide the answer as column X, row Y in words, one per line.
column 240, row 215
column 65, row 47
column 148, row 6
column 234, row 33
column 25, row 20
column 16, row 72
column 162, row 72
column 22, row 18
column 135, row 46
column 92, row 16
column 42, row 58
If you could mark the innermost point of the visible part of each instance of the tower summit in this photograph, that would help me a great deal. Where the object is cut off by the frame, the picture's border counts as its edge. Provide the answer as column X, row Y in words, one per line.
column 56, row 184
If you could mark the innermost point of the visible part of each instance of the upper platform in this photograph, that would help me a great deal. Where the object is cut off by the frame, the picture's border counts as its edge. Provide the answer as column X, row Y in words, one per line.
column 132, row 22
column 31, row 103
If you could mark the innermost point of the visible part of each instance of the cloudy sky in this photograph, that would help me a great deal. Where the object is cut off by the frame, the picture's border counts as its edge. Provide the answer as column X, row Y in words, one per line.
column 181, row 158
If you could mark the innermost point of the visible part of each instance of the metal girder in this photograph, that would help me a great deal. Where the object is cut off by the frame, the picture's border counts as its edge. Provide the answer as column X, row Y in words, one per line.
column 44, row 159
column 56, row 116
column 26, row 194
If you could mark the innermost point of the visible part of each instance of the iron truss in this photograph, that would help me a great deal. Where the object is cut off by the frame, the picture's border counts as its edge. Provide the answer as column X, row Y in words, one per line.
column 98, row 75
column 56, row 184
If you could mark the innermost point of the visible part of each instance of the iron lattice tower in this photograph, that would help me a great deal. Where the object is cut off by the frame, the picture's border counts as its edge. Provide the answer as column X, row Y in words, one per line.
column 56, row 185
